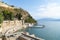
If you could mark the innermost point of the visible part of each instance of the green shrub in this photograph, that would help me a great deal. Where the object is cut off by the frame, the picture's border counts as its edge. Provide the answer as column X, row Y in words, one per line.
column 1, row 18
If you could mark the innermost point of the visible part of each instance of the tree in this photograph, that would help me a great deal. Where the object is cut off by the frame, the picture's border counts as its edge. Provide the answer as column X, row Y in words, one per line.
column 11, row 16
column 8, row 15
column 12, row 5
column 1, row 18
column 30, row 20
column 18, row 16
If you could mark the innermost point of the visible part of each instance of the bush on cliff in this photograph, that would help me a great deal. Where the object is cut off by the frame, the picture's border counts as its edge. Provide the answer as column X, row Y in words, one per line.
column 1, row 18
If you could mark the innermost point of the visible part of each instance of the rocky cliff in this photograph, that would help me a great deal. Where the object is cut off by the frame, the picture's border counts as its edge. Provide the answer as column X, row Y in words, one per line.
column 10, row 12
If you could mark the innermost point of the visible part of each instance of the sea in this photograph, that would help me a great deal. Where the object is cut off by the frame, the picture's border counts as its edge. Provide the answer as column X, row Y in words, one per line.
column 51, row 31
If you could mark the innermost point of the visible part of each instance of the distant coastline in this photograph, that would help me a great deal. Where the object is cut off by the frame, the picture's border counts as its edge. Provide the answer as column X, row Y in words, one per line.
column 48, row 19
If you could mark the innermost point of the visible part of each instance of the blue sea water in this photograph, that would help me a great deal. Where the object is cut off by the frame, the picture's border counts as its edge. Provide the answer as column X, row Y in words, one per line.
column 51, row 31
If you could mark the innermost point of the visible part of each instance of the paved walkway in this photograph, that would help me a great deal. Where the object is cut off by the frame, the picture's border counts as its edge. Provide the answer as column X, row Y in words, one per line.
column 19, row 36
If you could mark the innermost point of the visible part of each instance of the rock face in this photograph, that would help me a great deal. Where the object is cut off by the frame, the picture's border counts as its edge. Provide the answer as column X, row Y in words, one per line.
column 10, row 13
column 11, row 26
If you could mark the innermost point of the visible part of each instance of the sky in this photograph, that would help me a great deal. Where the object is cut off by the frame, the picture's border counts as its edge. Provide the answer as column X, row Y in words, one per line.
column 38, row 8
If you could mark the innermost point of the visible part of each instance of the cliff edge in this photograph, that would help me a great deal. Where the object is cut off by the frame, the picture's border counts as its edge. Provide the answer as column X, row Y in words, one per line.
column 10, row 12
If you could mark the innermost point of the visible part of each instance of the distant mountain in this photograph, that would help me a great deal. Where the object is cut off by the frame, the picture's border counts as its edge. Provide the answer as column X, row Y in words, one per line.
column 49, row 19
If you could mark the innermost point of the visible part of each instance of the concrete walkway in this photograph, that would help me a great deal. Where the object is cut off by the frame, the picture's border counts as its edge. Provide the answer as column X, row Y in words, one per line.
column 19, row 36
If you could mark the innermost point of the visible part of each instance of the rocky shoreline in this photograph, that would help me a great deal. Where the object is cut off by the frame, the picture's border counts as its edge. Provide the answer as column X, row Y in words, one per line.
column 12, row 27
column 21, row 36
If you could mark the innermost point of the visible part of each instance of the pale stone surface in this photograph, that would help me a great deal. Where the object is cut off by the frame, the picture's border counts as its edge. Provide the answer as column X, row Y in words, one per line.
column 12, row 26
column 0, row 38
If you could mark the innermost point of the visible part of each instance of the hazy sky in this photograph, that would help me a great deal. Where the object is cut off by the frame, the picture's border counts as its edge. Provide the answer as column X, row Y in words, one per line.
column 39, row 8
